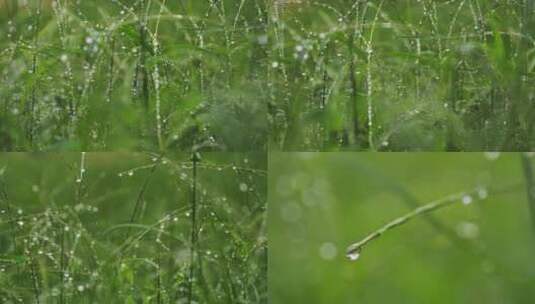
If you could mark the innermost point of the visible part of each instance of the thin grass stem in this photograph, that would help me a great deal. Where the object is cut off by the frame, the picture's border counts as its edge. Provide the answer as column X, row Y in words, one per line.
column 353, row 251
column 195, row 159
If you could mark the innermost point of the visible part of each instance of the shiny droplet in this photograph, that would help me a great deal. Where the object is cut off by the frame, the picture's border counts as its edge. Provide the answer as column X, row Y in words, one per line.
column 467, row 199
column 353, row 256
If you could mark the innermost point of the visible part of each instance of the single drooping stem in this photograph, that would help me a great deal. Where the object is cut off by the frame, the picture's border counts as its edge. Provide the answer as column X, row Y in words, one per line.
column 355, row 248
column 530, row 185
column 194, row 159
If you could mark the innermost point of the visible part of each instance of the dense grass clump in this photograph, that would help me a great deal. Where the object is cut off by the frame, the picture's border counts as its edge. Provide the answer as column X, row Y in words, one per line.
column 403, row 75
column 144, row 75
column 132, row 228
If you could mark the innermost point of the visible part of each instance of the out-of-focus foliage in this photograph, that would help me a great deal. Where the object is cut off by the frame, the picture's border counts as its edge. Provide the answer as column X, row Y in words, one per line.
column 477, row 252
column 120, row 231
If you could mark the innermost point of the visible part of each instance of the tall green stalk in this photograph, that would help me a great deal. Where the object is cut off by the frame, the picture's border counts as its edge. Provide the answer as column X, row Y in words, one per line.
column 193, row 248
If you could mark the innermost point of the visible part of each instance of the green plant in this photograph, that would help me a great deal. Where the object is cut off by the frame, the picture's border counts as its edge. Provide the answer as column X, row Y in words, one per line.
column 403, row 75
column 132, row 75
column 117, row 227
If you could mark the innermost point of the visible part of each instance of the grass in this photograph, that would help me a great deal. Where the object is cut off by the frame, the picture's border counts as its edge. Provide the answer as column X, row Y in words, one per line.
column 468, row 237
column 354, row 250
column 132, row 75
column 242, row 75
column 132, row 228
column 403, row 75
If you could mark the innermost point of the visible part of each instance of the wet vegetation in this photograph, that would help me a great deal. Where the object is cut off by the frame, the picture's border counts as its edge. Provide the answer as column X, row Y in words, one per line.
column 403, row 75
column 132, row 228
column 132, row 75
column 242, row 75
column 401, row 227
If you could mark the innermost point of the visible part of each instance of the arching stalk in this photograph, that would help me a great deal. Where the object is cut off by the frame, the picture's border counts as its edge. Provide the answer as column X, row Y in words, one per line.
column 354, row 250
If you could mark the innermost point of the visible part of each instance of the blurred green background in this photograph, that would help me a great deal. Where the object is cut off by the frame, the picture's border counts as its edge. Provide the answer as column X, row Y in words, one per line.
column 320, row 203
column 113, row 254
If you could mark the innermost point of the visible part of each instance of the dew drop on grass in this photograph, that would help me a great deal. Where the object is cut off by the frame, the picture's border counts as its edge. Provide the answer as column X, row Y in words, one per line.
column 353, row 256
column 243, row 187
column 467, row 199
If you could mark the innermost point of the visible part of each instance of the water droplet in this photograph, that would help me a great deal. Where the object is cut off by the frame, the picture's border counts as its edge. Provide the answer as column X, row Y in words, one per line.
column 243, row 187
column 353, row 256
column 467, row 199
